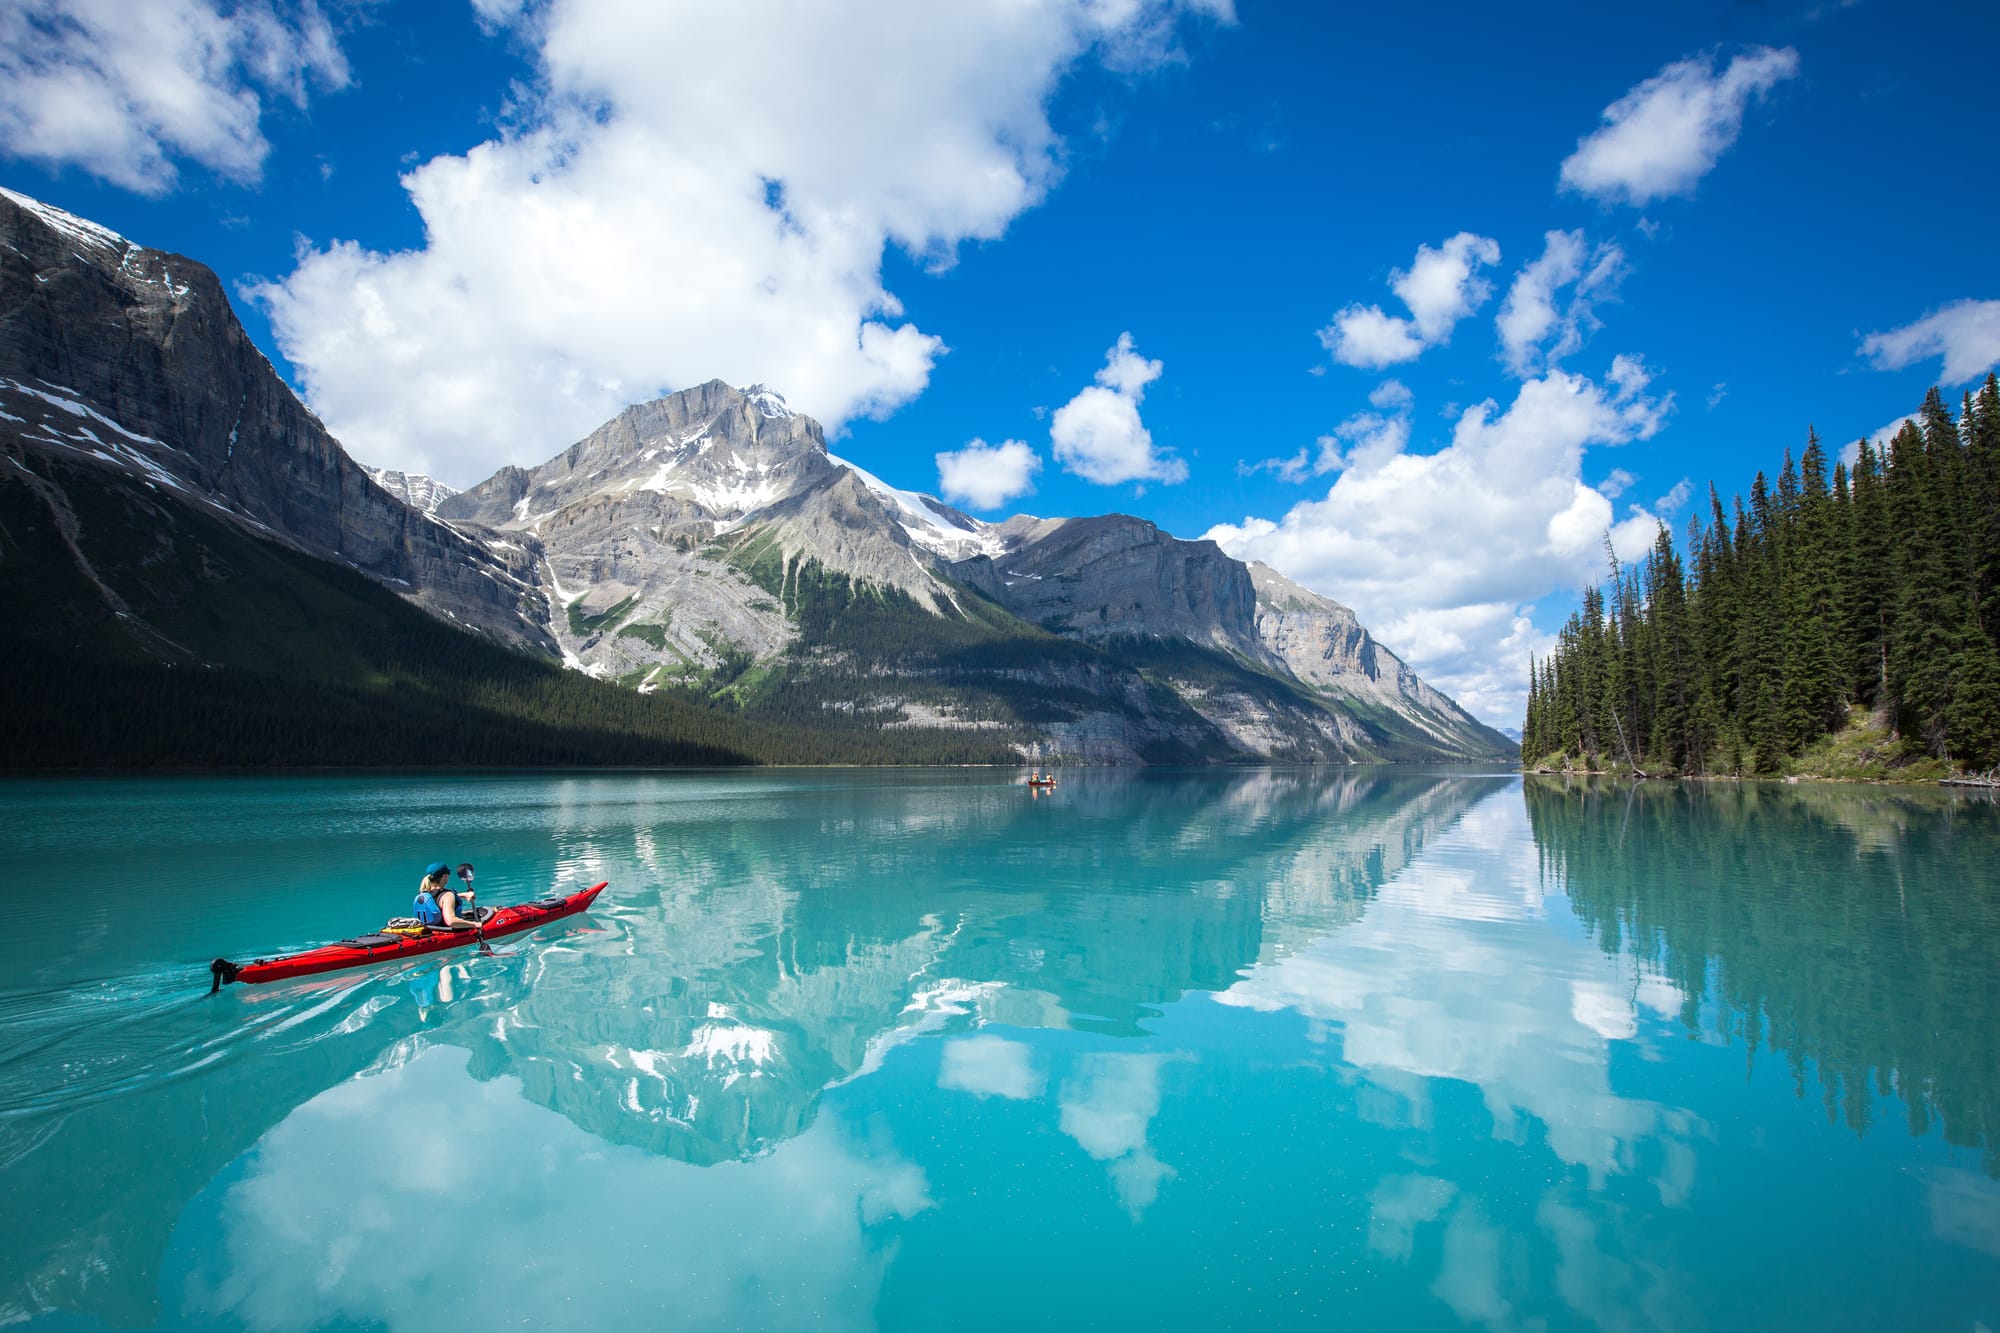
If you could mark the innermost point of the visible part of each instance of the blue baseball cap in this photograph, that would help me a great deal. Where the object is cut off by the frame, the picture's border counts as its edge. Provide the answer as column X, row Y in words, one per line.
column 436, row 868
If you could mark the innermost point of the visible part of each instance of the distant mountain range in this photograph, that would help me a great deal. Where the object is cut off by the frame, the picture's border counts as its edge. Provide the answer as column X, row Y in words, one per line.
column 703, row 550
column 412, row 488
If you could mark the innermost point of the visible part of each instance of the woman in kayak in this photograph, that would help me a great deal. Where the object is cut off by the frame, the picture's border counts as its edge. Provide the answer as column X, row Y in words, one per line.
column 439, row 906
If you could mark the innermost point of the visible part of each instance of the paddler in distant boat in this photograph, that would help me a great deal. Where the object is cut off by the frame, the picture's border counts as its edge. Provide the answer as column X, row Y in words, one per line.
column 438, row 905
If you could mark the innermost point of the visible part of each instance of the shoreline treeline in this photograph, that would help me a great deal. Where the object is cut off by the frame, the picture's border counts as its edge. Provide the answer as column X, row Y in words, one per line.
column 1879, row 589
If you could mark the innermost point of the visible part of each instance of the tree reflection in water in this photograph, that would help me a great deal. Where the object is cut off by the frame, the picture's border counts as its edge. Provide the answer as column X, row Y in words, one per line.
column 1853, row 931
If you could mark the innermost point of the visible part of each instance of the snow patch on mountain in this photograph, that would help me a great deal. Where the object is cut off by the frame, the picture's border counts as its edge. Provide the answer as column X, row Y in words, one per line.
column 731, row 501
column 80, row 230
column 421, row 493
column 768, row 401
column 926, row 525
column 70, row 401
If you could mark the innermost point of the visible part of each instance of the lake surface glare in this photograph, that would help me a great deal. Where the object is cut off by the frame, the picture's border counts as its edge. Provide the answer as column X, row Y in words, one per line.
column 922, row 1049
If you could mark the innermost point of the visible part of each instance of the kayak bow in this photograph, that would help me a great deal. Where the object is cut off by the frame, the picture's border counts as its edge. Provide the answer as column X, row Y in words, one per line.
column 383, row 948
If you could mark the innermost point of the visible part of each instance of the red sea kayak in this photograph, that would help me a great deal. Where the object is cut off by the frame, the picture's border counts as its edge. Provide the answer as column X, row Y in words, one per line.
column 366, row 949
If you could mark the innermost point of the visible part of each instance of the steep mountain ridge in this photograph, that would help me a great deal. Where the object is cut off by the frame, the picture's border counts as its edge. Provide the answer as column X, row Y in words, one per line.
column 713, row 526
column 705, row 543
column 1113, row 575
column 1324, row 644
column 129, row 362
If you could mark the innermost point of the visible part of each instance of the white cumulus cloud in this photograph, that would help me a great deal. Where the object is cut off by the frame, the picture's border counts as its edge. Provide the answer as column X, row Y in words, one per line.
column 1098, row 434
column 1296, row 468
column 122, row 90
column 1365, row 440
column 1359, row 441
column 1439, row 553
column 1391, row 394
column 1965, row 333
column 1441, row 287
column 1537, row 326
column 1662, row 137
column 986, row 476
column 693, row 191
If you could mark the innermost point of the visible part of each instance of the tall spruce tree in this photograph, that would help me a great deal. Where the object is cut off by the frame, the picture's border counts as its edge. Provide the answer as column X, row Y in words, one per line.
column 1869, row 598
column 1924, row 512
column 1983, row 475
column 1760, row 659
column 1973, row 714
column 1813, row 687
column 1673, row 734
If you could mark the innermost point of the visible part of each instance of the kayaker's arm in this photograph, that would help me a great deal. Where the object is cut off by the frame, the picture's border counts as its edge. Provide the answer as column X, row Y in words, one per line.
column 452, row 919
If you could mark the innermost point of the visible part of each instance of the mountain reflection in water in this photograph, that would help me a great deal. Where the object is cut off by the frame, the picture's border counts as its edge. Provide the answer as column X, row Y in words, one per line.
column 1206, row 1047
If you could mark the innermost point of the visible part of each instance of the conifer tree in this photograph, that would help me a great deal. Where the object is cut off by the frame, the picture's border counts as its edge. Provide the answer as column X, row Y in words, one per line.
column 1869, row 598
column 1593, row 725
column 1983, row 475
column 1760, row 657
column 1674, row 688
column 1841, row 559
column 1923, row 513
column 1812, row 684
column 1720, row 606
column 1532, row 744
column 1973, row 715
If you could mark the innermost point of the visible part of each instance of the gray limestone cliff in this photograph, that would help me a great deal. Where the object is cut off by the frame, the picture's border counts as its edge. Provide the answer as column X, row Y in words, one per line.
column 1323, row 644
column 129, row 361
column 703, row 524
column 1101, row 577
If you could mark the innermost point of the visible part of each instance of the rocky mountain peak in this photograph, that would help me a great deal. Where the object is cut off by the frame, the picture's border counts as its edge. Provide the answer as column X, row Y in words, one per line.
column 1276, row 591
column 710, row 454
column 693, row 522
column 421, row 493
column 768, row 401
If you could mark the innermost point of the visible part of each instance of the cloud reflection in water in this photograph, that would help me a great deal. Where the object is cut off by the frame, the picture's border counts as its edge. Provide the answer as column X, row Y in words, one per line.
column 421, row 1198
column 1454, row 972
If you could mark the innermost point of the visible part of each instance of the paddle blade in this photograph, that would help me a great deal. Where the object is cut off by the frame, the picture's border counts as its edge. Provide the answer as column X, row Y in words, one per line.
column 465, row 871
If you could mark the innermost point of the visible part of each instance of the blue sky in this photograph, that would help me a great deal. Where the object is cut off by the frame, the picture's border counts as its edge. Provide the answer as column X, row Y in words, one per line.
column 1266, row 272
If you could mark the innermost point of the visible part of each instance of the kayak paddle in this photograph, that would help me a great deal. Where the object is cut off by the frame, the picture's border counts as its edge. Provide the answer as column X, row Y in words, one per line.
column 479, row 926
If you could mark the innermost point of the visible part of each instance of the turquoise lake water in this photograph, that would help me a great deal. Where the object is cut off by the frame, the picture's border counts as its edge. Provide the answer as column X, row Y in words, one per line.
column 925, row 1050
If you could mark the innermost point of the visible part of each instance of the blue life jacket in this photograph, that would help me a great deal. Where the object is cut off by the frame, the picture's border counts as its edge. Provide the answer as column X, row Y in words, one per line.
column 426, row 909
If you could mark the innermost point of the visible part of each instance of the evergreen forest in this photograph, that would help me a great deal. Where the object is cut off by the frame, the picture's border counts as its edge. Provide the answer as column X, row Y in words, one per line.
column 1862, row 603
